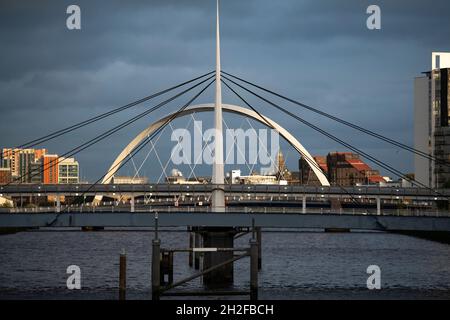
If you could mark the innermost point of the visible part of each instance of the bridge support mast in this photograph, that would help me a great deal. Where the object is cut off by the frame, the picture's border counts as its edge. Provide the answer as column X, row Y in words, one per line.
column 218, row 176
column 218, row 237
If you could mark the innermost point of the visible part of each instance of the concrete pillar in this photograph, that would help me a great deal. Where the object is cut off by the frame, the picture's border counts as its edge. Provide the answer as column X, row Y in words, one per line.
column 304, row 204
column 58, row 203
column 132, row 203
column 218, row 237
column 156, row 281
column 378, row 206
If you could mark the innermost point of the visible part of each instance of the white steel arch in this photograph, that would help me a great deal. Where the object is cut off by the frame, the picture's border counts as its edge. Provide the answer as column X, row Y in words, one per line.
column 210, row 107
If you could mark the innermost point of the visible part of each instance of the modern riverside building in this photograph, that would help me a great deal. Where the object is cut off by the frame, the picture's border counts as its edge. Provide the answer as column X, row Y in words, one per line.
column 68, row 171
column 13, row 156
column 35, row 172
column 432, row 122
column 36, row 166
column 50, row 169
column 20, row 159
column 26, row 158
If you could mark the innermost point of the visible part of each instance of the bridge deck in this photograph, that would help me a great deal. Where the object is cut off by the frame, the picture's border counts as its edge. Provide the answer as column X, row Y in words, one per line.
column 171, row 189
column 266, row 220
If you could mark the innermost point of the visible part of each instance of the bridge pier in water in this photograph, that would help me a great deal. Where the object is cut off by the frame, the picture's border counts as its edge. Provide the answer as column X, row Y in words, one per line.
column 218, row 237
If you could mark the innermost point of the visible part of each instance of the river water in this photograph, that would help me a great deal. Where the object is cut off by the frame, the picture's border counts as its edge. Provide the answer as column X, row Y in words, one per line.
column 296, row 265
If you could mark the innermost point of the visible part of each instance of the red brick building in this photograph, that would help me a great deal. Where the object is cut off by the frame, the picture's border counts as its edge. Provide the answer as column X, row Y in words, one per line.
column 347, row 169
column 5, row 175
column 306, row 175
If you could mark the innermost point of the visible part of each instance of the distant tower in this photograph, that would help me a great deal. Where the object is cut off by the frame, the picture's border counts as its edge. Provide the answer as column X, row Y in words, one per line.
column 280, row 167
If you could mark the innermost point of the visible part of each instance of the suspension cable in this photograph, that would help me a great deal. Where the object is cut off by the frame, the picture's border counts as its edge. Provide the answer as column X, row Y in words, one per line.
column 76, row 126
column 106, row 134
column 349, row 124
column 364, row 154
column 309, row 161
column 140, row 146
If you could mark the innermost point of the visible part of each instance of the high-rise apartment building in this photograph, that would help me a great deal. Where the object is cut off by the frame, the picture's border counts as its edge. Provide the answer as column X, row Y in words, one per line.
column 432, row 122
column 68, row 171
column 26, row 158
column 35, row 173
column 12, row 155
column 50, row 169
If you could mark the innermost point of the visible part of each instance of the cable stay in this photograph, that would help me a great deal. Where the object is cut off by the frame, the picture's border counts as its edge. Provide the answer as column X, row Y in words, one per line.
column 105, row 134
column 139, row 147
column 323, row 132
column 86, row 122
column 347, row 123
column 310, row 162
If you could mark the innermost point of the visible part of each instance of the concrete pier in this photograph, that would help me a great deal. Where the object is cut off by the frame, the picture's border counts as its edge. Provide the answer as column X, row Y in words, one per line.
column 218, row 237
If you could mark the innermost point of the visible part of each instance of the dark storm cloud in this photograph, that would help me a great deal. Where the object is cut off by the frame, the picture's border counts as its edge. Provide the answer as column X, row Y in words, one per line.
column 317, row 51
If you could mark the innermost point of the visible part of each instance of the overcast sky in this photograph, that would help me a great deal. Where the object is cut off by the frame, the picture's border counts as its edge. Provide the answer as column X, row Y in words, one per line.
column 318, row 52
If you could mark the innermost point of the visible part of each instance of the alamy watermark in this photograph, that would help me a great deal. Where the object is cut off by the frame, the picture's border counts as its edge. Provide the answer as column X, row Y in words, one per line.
column 374, row 280
column 251, row 146
column 374, row 20
column 74, row 280
column 73, row 22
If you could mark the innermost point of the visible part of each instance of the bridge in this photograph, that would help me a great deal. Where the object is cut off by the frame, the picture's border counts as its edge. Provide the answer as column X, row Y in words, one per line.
column 177, row 189
column 216, row 197
column 228, row 207
column 247, row 198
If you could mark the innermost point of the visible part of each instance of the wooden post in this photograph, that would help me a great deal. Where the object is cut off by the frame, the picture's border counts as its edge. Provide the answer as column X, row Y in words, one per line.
column 191, row 245
column 253, row 269
column 166, row 267
column 156, row 281
column 122, row 276
column 304, row 204
column 259, row 239
column 156, row 262
column 197, row 244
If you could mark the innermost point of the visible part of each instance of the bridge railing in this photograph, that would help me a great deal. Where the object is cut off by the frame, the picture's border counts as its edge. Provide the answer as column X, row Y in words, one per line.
column 248, row 210
column 364, row 191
